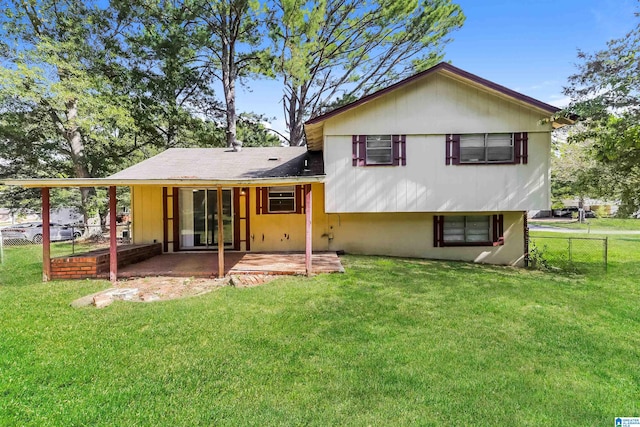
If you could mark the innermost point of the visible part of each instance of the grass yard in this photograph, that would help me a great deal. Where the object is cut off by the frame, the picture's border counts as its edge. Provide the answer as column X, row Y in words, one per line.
column 587, row 252
column 610, row 224
column 391, row 342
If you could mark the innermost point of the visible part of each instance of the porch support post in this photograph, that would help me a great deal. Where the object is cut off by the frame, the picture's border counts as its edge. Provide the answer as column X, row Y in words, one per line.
column 46, row 236
column 220, row 233
column 308, row 217
column 113, row 242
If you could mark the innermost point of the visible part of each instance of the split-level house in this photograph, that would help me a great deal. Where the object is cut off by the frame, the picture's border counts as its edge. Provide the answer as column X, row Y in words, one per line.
column 442, row 165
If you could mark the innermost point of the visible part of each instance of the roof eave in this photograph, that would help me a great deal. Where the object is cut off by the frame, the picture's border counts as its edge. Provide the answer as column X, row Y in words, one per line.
column 175, row 182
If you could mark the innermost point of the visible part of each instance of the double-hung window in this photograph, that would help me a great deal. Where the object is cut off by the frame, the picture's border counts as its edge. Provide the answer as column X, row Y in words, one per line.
column 282, row 199
column 486, row 148
column 379, row 150
column 468, row 230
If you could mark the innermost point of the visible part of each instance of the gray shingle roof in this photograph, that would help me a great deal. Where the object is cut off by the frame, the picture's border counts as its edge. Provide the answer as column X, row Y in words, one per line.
column 222, row 164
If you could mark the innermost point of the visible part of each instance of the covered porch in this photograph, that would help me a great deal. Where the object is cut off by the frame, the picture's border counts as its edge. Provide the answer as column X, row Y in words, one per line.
column 214, row 199
column 235, row 263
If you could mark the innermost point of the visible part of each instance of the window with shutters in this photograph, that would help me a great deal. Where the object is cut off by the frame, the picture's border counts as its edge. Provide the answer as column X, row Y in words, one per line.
column 282, row 199
column 487, row 148
column 468, row 230
column 379, row 150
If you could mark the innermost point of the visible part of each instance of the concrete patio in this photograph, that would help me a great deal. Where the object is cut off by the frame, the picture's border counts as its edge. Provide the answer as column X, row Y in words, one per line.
column 206, row 264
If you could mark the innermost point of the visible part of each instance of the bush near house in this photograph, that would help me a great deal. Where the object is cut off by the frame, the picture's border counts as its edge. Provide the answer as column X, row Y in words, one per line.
column 390, row 342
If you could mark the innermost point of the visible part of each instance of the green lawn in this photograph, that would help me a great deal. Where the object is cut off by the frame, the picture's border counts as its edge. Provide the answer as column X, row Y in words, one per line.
column 391, row 342
column 587, row 251
column 593, row 223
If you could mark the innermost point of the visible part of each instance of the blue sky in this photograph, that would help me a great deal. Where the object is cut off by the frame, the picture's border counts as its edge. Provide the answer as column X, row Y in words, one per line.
column 526, row 45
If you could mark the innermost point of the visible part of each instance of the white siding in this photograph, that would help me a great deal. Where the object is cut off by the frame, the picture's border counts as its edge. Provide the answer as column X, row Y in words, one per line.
column 426, row 111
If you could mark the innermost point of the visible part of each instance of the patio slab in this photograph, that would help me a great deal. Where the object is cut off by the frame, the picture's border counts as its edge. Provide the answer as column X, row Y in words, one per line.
column 206, row 264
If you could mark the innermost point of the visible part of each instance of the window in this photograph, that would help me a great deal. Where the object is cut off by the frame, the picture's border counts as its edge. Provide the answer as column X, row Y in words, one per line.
column 282, row 199
column 487, row 148
column 379, row 150
column 468, row 230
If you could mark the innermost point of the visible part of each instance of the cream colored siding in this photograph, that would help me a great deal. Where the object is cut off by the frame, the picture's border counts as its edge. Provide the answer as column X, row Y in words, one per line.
column 436, row 105
column 146, row 207
column 426, row 111
column 411, row 235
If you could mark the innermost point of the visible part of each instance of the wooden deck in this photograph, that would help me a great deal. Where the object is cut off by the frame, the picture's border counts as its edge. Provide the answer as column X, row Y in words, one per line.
column 206, row 264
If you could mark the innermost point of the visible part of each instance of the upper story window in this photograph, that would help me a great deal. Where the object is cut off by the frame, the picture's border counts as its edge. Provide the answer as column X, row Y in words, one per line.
column 487, row 148
column 379, row 150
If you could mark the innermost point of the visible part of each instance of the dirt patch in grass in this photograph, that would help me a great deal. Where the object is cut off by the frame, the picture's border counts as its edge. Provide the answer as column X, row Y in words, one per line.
column 161, row 288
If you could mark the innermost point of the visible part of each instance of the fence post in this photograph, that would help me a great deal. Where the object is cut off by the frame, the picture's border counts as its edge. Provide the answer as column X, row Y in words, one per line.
column 1, row 249
column 73, row 240
column 570, row 257
column 606, row 253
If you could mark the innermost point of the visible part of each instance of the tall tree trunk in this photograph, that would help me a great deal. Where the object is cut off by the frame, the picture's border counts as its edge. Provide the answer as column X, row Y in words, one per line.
column 72, row 135
column 229, row 73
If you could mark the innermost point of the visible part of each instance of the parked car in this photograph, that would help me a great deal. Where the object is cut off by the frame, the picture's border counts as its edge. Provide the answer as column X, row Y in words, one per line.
column 565, row 212
column 32, row 232
column 569, row 211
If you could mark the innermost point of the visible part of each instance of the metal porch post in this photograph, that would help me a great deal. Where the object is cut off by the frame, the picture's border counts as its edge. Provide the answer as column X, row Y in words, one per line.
column 46, row 236
column 113, row 242
column 220, row 233
column 308, row 240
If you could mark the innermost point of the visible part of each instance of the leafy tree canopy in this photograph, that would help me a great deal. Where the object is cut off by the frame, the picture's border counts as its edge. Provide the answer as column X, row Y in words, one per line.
column 605, row 95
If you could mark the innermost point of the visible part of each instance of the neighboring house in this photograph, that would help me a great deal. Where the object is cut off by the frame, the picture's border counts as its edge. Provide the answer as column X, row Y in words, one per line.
column 441, row 165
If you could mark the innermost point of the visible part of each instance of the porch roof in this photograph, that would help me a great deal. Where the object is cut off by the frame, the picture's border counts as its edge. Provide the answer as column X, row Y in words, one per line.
column 254, row 166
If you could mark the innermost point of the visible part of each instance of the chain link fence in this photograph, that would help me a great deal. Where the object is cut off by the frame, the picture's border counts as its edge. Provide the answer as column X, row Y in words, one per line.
column 579, row 254
column 69, row 239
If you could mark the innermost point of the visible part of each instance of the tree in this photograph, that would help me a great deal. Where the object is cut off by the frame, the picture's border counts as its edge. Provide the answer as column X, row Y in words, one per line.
column 605, row 95
column 575, row 173
column 233, row 46
column 345, row 49
column 160, row 65
column 54, row 98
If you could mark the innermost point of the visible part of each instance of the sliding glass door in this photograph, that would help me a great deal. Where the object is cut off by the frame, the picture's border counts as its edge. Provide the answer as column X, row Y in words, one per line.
column 199, row 218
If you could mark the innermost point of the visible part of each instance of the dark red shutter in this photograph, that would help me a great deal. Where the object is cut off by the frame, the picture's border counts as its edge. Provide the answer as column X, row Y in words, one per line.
column 354, row 150
column 447, row 145
column 265, row 200
column 403, row 150
column 517, row 153
column 438, row 225
column 362, row 150
column 498, row 229
column 299, row 197
column 395, row 143
column 455, row 149
column 258, row 200
column 521, row 148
